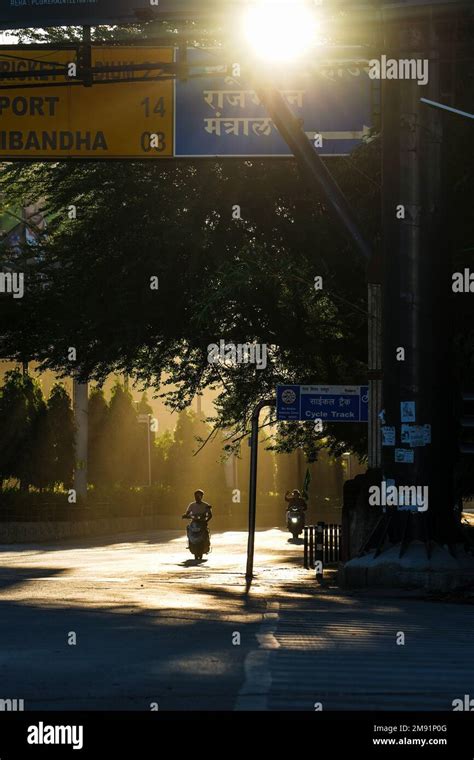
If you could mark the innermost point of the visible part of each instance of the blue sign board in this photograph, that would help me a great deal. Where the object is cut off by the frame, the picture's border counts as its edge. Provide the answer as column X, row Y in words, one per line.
column 223, row 116
column 329, row 403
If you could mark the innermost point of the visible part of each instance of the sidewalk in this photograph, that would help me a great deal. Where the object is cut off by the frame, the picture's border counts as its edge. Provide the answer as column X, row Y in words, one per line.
column 340, row 649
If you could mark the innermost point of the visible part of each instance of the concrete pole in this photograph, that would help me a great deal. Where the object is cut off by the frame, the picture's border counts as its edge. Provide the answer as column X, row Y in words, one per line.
column 81, row 403
column 411, row 150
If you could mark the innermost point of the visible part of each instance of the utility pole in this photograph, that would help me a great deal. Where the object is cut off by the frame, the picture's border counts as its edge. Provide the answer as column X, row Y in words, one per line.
column 414, row 286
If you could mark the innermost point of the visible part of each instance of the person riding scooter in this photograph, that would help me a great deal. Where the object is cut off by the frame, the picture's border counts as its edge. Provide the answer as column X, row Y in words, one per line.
column 200, row 513
column 297, row 506
column 295, row 499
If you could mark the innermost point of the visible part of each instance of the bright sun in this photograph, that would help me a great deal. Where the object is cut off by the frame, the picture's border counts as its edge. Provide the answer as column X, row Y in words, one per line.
column 280, row 30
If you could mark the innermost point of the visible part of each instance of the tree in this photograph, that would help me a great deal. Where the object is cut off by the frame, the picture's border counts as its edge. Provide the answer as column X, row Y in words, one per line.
column 97, row 443
column 218, row 279
column 145, row 437
column 60, row 436
column 22, row 412
column 122, row 436
column 160, row 459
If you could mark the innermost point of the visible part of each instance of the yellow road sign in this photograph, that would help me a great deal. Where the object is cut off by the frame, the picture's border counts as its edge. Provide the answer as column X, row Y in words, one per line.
column 119, row 120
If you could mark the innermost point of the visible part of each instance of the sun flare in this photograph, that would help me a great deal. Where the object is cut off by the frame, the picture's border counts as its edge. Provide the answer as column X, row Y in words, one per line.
column 280, row 30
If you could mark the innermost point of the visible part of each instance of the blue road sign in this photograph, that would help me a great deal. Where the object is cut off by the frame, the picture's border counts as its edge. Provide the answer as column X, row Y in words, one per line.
column 223, row 116
column 329, row 403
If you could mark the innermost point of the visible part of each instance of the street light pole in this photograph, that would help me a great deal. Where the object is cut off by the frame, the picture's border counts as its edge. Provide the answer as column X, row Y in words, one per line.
column 253, row 484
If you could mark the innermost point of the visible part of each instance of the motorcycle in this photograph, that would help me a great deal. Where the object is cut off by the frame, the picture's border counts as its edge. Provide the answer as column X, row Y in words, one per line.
column 295, row 521
column 199, row 541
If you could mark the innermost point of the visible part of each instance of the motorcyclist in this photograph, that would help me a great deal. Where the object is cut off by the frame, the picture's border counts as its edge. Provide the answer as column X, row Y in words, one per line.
column 295, row 500
column 198, row 507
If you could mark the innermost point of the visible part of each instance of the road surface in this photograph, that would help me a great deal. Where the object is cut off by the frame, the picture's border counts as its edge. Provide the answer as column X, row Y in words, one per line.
column 131, row 622
column 150, row 625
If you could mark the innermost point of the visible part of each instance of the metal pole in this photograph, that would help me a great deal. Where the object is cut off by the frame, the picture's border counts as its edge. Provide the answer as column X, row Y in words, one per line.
column 87, row 56
column 253, row 484
column 319, row 549
column 313, row 166
column 318, row 175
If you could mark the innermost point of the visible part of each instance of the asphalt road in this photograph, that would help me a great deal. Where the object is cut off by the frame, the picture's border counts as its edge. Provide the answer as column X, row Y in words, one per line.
column 150, row 625
column 153, row 629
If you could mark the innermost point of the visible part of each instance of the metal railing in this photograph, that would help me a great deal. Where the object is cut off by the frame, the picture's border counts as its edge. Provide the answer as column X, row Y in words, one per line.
column 322, row 543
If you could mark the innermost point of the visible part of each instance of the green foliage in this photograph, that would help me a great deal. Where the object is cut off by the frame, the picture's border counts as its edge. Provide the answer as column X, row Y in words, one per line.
column 97, row 443
column 60, row 437
column 36, row 438
column 249, row 280
column 22, row 411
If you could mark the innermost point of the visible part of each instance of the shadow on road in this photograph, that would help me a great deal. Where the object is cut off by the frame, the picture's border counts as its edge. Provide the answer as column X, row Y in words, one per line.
column 86, row 542
column 14, row 576
column 191, row 562
column 121, row 661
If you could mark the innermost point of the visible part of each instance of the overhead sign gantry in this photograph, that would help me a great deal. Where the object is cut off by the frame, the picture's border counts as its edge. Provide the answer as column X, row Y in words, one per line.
column 147, row 112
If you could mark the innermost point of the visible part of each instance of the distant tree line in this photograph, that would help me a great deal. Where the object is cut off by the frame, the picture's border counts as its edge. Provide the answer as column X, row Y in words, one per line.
column 37, row 446
column 36, row 435
column 37, row 460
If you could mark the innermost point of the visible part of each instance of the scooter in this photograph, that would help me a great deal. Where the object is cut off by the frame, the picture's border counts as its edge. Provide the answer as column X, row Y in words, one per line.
column 295, row 521
column 199, row 541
